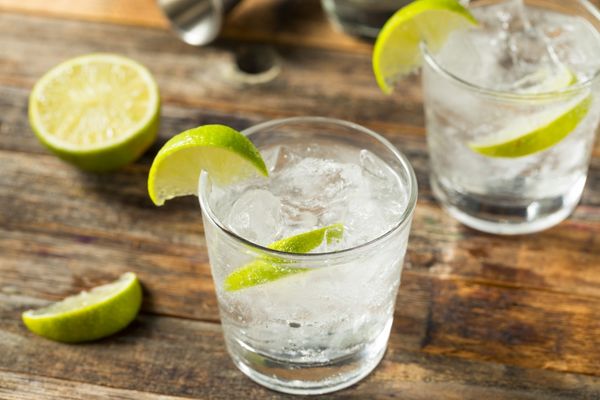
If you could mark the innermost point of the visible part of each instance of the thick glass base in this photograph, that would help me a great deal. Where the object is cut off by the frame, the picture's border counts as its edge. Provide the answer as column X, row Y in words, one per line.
column 493, row 215
column 308, row 378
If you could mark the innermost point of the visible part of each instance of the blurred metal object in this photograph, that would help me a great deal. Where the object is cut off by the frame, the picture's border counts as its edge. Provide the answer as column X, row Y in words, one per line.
column 196, row 22
column 363, row 18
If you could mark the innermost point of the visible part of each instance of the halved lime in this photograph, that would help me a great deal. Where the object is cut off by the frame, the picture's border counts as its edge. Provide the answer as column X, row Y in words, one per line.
column 396, row 52
column 226, row 154
column 269, row 269
column 536, row 132
column 91, row 315
column 99, row 111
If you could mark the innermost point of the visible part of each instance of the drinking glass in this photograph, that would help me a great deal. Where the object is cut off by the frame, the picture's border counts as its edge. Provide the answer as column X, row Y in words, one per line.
column 520, row 193
column 326, row 328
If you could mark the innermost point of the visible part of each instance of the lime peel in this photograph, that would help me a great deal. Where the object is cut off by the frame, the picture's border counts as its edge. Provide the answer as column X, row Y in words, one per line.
column 271, row 268
column 92, row 315
column 224, row 153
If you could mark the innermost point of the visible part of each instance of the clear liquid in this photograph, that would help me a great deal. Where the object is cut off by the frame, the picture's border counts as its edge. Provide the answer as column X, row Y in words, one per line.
column 509, row 195
column 322, row 330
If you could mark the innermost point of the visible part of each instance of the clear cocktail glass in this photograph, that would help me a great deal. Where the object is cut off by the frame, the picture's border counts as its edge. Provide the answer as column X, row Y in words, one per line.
column 327, row 326
column 485, row 169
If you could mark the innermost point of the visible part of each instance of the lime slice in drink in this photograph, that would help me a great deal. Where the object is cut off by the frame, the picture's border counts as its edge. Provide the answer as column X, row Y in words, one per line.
column 91, row 315
column 536, row 132
column 397, row 53
column 269, row 269
column 98, row 111
column 226, row 154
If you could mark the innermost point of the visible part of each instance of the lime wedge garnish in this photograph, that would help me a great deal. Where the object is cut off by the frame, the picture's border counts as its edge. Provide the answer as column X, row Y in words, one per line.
column 91, row 315
column 226, row 154
column 98, row 111
column 269, row 269
column 536, row 132
column 397, row 53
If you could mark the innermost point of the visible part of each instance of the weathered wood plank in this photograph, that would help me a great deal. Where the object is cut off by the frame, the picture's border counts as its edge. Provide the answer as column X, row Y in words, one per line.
column 102, row 210
column 291, row 22
column 311, row 81
column 286, row 22
column 528, row 301
column 440, row 314
column 533, row 329
column 26, row 387
column 170, row 356
column 16, row 135
column 53, row 198
column 132, row 12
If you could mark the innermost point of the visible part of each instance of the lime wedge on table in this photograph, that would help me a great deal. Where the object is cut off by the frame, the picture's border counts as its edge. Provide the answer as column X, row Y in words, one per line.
column 269, row 269
column 536, row 132
column 397, row 53
column 226, row 154
column 91, row 315
column 98, row 111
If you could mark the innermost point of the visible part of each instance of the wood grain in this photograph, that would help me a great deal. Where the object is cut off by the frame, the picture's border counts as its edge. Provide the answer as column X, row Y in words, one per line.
column 172, row 356
column 131, row 12
column 477, row 315
column 312, row 81
column 289, row 22
column 26, row 387
column 72, row 222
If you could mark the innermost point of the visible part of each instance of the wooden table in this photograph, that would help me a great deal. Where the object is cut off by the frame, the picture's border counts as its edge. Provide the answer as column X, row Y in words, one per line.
column 478, row 316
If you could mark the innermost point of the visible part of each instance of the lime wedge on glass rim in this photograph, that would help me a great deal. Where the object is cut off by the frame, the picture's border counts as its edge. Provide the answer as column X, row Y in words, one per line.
column 271, row 268
column 397, row 48
column 224, row 153
column 227, row 156
column 91, row 315
column 98, row 111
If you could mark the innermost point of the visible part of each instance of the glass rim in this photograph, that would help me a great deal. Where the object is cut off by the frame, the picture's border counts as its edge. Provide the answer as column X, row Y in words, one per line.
column 569, row 90
column 403, row 220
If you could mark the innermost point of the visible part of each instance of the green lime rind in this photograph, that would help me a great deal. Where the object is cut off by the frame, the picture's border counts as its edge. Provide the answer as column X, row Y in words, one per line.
column 71, row 322
column 111, row 157
column 538, row 139
column 258, row 272
column 224, row 153
column 100, row 156
column 271, row 268
column 396, row 52
column 307, row 241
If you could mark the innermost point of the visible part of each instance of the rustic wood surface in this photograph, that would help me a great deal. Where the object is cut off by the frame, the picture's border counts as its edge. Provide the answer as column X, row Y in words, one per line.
column 478, row 316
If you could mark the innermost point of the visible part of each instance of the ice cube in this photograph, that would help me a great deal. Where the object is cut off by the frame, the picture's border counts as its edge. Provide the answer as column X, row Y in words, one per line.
column 271, row 157
column 298, row 221
column 462, row 57
column 577, row 42
column 256, row 216
column 313, row 183
column 364, row 220
column 528, row 60
column 371, row 164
